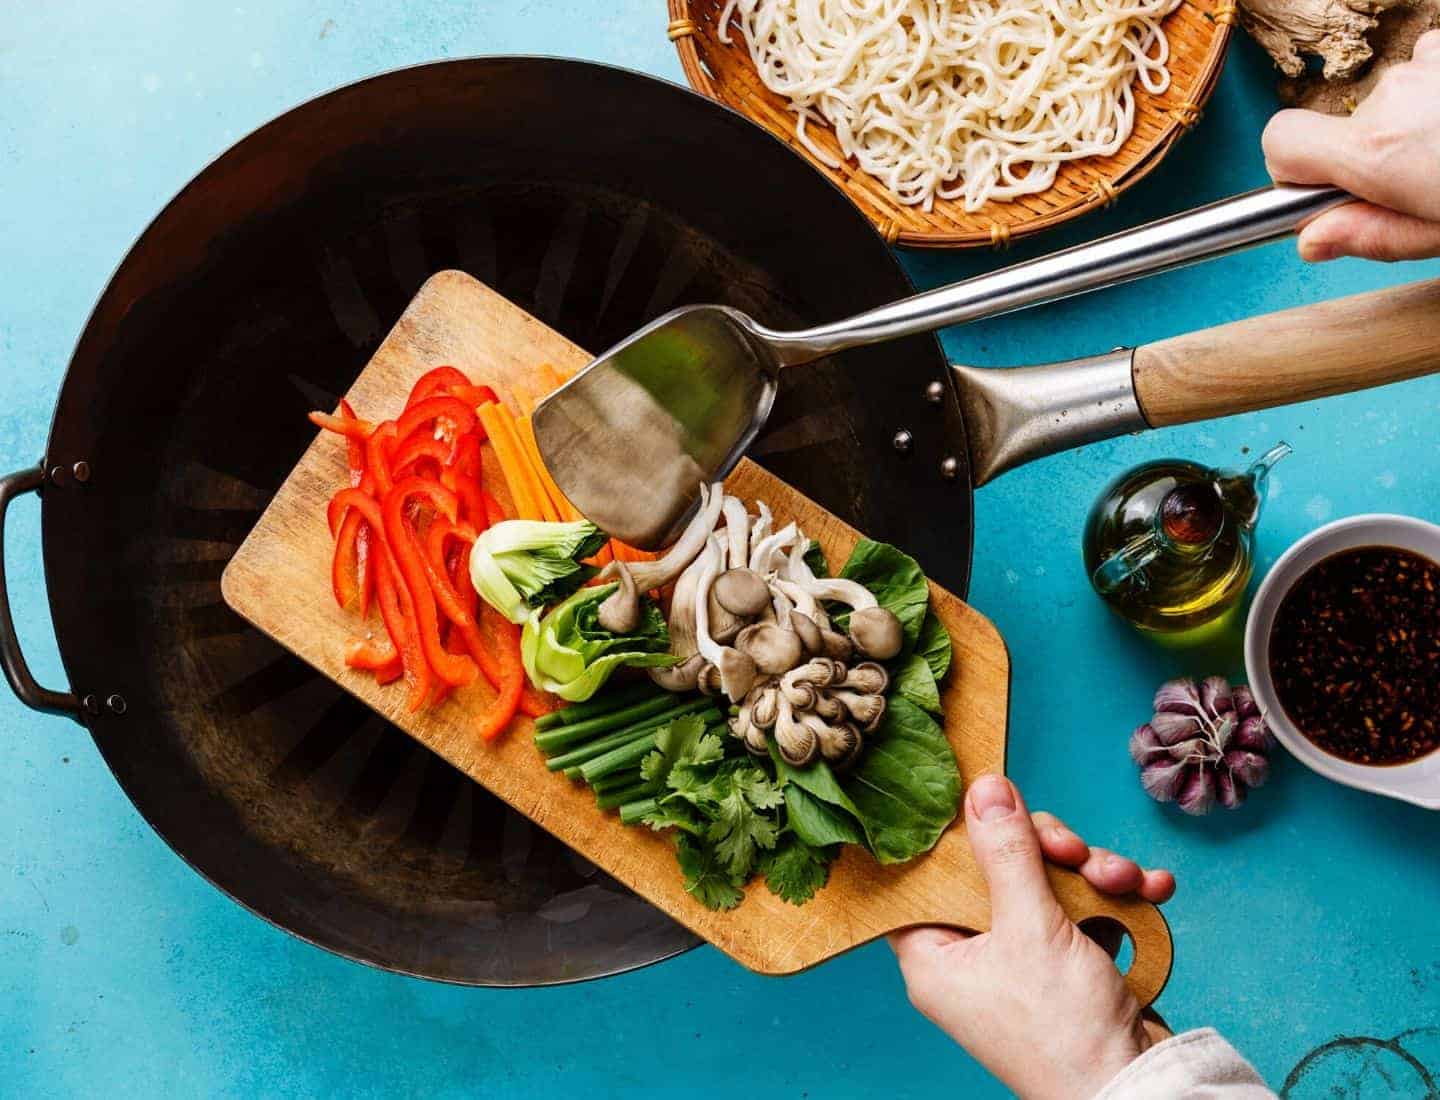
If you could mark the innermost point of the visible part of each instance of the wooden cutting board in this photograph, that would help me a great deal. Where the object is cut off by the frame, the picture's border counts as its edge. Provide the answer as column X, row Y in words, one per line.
column 279, row 579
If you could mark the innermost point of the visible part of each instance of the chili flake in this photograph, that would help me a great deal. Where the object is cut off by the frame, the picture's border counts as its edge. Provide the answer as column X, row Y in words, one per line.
column 1355, row 655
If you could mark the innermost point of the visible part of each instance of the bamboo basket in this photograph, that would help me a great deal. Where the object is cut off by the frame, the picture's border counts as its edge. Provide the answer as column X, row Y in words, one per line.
column 1199, row 33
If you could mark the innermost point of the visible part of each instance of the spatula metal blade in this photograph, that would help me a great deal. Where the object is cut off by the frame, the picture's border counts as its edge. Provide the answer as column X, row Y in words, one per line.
column 630, row 438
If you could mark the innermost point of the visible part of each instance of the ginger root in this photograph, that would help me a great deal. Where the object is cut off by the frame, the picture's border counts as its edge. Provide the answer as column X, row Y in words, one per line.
column 1344, row 35
column 1392, row 43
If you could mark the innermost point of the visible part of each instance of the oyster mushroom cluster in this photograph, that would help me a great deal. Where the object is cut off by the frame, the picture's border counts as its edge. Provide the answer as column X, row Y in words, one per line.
column 818, row 709
column 747, row 620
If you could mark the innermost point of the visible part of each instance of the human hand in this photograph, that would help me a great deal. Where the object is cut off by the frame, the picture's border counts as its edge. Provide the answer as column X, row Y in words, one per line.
column 1034, row 1000
column 1387, row 152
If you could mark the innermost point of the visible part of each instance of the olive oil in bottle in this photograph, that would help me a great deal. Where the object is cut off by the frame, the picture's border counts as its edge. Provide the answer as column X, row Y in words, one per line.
column 1170, row 545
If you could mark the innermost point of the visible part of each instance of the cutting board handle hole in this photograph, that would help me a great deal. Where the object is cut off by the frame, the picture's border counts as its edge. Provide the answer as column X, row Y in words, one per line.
column 1113, row 936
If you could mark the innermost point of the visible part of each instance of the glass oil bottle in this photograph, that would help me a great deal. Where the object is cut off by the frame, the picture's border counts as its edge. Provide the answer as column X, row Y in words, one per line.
column 1170, row 545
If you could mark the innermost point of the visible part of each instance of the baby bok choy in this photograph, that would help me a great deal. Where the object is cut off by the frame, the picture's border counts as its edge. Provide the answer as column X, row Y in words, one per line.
column 568, row 652
column 519, row 564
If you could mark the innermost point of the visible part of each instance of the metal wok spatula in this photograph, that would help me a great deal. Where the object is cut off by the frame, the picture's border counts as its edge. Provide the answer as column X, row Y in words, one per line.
column 632, row 436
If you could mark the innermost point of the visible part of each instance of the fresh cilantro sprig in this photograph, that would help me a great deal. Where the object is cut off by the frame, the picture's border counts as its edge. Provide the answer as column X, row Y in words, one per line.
column 730, row 817
column 794, row 870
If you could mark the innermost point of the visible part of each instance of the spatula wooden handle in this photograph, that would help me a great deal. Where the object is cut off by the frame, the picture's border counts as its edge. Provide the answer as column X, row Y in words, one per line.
column 1295, row 355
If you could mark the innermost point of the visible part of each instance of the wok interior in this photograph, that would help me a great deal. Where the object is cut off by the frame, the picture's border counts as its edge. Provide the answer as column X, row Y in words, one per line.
column 596, row 200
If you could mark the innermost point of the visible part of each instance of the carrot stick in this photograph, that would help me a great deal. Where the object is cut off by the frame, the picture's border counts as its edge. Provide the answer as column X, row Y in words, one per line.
column 551, row 378
column 532, row 470
column 525, row 398
column 507, row 451
column 563, row 508
column 623, row 551
column 538, row 492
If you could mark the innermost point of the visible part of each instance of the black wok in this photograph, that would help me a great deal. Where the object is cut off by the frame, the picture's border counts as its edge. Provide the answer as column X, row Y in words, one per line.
column 594, row 198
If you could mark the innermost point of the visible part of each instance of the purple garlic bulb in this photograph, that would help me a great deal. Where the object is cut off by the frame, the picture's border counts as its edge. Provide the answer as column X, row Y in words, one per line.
column 1204, row 744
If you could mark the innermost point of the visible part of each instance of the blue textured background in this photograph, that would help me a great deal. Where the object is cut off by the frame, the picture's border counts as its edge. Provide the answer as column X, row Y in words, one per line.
column 1307, row 915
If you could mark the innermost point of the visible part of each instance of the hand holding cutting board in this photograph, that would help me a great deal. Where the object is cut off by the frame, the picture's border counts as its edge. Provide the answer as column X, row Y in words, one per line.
column 1033, row 999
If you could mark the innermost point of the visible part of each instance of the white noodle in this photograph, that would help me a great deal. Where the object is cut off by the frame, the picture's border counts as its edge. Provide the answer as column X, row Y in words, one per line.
column 977, row 100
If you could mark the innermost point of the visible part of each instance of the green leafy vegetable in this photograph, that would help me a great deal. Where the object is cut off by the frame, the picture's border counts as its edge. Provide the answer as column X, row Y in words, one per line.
column 816, row 778
column 676, row 815
column 934, row 645
column 795, row 870
column 906, row 788
column 568, row 653
column 817, row 822
column 896, row 581
column 705, row 879
column 899, row 585
column 522, row 564
column 817, row 806
column 913, row 679
column 738, row 832
column 815, row 559
column 728, row 810
column 683, row 740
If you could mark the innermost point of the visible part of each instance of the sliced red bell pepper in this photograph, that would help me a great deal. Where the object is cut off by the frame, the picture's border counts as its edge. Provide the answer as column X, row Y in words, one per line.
column 493, row 512
column 339, row 508
column 472, row 504
column 451, row 642
column 350, row 428
column 398, row 611
column 396, row 607
column 507, row 647
column 365, row 572
column 533, row 702
column 410, row 564
column 467, row 455
column 350, row 573
column 378, row 451
column 449, row 381
column 475, row 395
column 443, row 379
column 451, row 416
column 463, row 477
column 420, row 446
column 365, row 568
column 345, row 565
column 456, row 596
column 370, row 654
column 354, row 446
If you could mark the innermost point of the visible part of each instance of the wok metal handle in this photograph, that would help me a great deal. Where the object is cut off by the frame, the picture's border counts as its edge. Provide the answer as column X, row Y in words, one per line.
column 1372, row 339
column 12, row 659
column 1258, row 217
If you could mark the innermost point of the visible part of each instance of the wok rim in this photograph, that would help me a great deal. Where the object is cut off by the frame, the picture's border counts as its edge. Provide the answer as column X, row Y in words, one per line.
column 53, row 583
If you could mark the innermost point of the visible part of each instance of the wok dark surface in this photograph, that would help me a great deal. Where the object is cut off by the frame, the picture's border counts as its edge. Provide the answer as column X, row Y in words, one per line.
column 596, row 199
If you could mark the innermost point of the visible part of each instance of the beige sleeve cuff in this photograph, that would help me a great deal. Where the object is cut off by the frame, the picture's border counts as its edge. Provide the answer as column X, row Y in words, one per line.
column 1198, row 1065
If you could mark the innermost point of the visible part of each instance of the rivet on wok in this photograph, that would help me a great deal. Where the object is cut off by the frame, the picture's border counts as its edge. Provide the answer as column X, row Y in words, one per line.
column 91, row 704
column 81, row 470
column 115, row 704
column 935, row 392
column 903, row 441
column 950, row 468
column 57, row 475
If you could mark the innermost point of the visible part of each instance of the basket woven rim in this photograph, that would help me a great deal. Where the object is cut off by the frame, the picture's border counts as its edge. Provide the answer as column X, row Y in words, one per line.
column 682, row 31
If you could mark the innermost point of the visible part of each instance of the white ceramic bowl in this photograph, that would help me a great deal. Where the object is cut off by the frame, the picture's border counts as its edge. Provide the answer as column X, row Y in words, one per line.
column 1418, row 781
